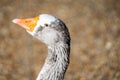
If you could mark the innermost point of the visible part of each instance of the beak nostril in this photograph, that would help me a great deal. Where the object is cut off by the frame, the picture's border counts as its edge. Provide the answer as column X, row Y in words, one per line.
column 27, row 21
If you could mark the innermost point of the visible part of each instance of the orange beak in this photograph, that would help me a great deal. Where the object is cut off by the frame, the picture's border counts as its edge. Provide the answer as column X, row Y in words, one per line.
column 28, row 24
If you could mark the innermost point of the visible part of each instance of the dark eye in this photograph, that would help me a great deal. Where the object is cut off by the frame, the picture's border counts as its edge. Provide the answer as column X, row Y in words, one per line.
column 46, row 25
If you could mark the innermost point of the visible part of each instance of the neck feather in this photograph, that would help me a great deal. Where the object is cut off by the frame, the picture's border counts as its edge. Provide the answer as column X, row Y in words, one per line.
column 56, row 63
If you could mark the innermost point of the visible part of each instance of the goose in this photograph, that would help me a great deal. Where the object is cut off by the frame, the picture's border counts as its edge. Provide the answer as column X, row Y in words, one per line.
column 55, row 35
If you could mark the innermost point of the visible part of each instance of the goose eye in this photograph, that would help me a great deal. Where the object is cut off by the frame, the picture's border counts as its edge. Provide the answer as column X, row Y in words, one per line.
column 46, row 25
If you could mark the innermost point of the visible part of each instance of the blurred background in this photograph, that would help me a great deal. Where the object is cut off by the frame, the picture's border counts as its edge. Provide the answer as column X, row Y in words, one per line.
column 94, row 26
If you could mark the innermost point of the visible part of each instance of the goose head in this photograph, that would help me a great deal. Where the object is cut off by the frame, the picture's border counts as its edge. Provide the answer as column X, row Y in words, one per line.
column 47, row 28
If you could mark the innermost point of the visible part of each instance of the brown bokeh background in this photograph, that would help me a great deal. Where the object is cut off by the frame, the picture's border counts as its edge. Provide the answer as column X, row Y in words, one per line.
column 94, row 26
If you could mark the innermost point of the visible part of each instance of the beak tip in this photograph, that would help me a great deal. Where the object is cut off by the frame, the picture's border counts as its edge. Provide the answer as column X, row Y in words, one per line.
column 15, row 20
